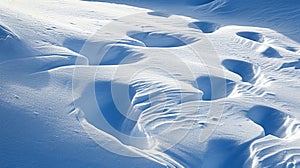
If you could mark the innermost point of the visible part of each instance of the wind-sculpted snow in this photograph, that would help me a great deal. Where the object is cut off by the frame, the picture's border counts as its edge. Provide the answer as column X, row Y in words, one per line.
column 153, row 39
column 252, row 36
column 245, row 69
column 271, row 53
column 295, row 64
column 205, row 27
column 280, row 148
column 179, row 2
column 221, row 86
column 10, row 45
column 184, row 84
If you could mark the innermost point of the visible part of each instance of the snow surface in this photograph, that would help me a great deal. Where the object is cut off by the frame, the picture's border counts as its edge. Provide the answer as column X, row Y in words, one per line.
column 115, row 83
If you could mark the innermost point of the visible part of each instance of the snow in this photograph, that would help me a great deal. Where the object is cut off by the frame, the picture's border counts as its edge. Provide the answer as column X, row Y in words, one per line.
column 110, row 83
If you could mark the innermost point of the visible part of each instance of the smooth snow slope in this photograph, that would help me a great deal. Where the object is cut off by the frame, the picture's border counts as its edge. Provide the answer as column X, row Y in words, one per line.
column 192, row 83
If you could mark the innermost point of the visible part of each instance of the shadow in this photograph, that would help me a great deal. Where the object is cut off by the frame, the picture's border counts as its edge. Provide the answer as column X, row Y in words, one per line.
column 11, row 47
column 215, row 87
column 242, row 68
column 152, row 39
column 254, row 36
column 269, row 118
column 271, row 53
column 33, row 71
column 74, row 44
column 226, row 153
column 14, row 72
column 205, row 27
column 120, row 54
column 295, row 64
column 109, row 109
column 159, row 14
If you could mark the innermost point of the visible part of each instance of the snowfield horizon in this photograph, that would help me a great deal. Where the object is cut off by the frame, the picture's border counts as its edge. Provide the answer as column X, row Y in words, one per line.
column 117, row 83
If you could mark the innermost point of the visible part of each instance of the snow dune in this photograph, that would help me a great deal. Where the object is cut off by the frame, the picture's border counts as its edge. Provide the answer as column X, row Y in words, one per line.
column 192, row 83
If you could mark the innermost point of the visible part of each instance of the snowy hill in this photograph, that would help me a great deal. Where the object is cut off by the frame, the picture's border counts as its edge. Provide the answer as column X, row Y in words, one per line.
column 115, row 83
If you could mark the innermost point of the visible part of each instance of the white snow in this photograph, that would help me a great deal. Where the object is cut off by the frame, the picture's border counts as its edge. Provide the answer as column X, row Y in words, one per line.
column 115, row 83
